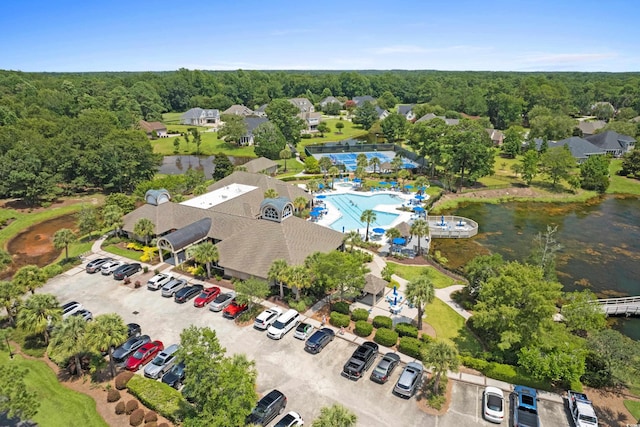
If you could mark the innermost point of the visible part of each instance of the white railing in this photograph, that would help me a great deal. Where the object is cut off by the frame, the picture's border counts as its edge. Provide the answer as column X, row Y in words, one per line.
column 629, row 306
column 451, row 227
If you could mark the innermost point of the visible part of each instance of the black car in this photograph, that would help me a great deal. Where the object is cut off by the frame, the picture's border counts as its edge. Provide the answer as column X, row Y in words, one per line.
column 94, row 266
column 188, row 292
column 175, row 376
column 126, row 270
column 360, row 360
column 268, row 408
column 319, row 340
column 121, row 353
column 133, row 330
column 385, row 367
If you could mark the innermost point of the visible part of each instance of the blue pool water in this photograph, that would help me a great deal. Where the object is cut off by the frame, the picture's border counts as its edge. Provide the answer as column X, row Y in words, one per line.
column 352, row 205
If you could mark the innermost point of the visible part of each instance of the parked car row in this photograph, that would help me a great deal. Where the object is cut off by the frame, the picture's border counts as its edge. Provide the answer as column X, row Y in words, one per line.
column 269, row 407
column 110, row 266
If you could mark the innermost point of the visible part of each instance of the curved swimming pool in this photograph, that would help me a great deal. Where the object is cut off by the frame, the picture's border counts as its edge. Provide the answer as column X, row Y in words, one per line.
column 352, row 205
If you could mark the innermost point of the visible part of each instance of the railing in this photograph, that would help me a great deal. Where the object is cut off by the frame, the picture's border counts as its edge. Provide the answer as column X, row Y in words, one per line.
column 451, row 227
column 628, row 306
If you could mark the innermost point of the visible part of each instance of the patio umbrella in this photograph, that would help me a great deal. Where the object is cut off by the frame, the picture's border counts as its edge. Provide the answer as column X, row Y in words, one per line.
column 320, row 185
column 314, row 214
column 393, row 183
column 418, row 209
column 322, row 196
column 357, row 180
column 442, row 220
column 399, row 241
column 378, row 230
column 408, row 186
column 383, row 183
column 395, row 290
column 317, row 209
column 419, row 197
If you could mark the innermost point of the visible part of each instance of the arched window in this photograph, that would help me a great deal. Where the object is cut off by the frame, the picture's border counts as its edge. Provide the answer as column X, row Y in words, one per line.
column 287, row 211
column 271, row 213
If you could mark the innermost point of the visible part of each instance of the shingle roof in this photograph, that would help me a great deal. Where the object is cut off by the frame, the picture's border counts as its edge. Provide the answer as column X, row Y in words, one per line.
column 590, row 128
column 239, row 110
column 196, row 113
column 610, row 140
column 405, row 109
column 303, row 104
column 253, row 122
column 360, row 99
column 149, row 127
column 430, row 116
column 380, row 111
column 260, row 164
column 580, row 148
column 374, row 284
column 191, row 233
column 329, row 100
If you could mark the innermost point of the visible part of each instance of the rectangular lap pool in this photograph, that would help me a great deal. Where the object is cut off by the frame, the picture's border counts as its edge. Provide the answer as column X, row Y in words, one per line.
column 352, row 205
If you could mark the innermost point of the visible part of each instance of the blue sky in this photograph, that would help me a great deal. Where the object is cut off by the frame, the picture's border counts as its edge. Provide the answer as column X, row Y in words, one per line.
column 507, row 35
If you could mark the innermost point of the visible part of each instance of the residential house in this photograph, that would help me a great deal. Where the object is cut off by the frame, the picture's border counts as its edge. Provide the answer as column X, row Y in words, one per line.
column 407, row 111
column 238, row 110
column 303, row 104
column 261, row 111
column 249, row 231
column 431, row 116
column 261, row 165
column 589, row 128
column 359, row 100
column 200, row 117
column 307, row 113
column 613, row 143
column 251, row 123
column 151, row 127
column 329, row 100
column 382, row 113
column 497, row 137
column 580, row 148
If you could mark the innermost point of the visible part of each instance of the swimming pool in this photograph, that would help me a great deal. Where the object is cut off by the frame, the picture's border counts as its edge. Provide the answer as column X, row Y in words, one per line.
column 352, row 205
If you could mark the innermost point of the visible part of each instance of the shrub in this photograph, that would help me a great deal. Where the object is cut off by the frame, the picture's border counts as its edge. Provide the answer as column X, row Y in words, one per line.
column 157, row 396
column 426, row 338
column 386, row 337
column 410, row 346
column 363, row 328
column 113, row 395
column 122, row 379
column 502, row 372
column 120, row 408
column 339, row 320
column 406, row 330
column 52, row 270
column 299, row 306
column 131, row 406
column 137, row 417
column 383, row 322
column 151, row 416
column 473, row 363
column 340, row 307
column 360, row 314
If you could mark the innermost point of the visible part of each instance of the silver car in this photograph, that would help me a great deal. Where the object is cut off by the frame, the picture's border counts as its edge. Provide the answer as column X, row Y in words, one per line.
column 222, row 301
column 162, row 362
column 109, row 267
column 172, row 287
column 409, row 380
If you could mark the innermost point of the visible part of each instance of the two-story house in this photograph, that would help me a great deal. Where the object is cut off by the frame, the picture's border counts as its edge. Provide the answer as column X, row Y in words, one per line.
column 200, row 117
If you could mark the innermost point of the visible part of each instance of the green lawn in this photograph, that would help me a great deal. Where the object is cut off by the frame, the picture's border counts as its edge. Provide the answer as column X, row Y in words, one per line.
column 634, row 407
column 59, row 406
column 127, row 253
column 349, row 131
column 621, row 184
column 210, row 145
column 171, row 119
column 411, row 272
column 450, row 326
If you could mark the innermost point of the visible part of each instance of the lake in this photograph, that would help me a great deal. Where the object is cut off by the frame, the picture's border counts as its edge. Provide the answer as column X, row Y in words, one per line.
column 600, row 239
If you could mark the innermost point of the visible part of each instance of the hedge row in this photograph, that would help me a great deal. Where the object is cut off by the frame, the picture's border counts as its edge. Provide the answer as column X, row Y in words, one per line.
column 382, row 322
column 157, row 396
column 503, row 372
column 406, row 330
column 339, row 320
column 411, row 346
column 360, row 314
column 341, row 307
column 363, row 328
column 386, row 337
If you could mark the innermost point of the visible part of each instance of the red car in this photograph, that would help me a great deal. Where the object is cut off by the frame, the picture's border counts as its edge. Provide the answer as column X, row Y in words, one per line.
column 206, row 296
column 144, row 355
column 234, row 310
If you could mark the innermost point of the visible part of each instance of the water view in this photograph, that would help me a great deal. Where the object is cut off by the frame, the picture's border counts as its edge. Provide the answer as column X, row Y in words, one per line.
column 601, row 242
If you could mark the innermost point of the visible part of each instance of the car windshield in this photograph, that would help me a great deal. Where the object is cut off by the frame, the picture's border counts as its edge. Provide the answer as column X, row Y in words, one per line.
column 302, row 327
column 138, row 354
column 129, row 344
column 379, row 370
column 203, row 295
column 278, row 324
column 494, row 402
column 158, row 360
column 177, row 369
column 222, row 297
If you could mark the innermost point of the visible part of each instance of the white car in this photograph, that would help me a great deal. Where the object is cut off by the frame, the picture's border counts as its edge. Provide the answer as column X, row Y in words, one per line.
column 158, row 281
column 267, row 317
column 283, row 324
column 85, row 314
column 292, row 419
column 109, row 267
column 71, row 308
column 493, row 404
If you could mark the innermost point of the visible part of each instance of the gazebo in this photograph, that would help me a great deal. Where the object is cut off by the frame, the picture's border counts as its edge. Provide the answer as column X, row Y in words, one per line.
column 404, row 229
column 374, row 285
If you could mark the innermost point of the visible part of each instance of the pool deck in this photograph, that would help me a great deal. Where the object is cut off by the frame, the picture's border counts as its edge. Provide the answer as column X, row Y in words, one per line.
column 333, row 213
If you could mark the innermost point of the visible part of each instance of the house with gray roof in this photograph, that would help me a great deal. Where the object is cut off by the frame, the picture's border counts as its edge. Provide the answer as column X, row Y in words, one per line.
column 261, row 111
column 200, row 117
column 150, row 128
column 261, row 165
column 329, row 100
column 580, row 148
column 251, row 122
column 497, row 137
column 590, row 127
column 407, row 111
column 238, row 110
column 359, row 100
column 249, row 231
column 431, row 116
column 382, row 113
column 613, row 143
column 303, row 104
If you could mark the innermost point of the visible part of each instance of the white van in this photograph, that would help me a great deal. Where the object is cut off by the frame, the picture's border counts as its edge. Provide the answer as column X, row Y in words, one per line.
column 283, row 324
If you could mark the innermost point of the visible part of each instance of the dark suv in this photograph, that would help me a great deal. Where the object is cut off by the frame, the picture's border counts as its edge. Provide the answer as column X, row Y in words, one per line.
column 126, row 270
column 268, row 408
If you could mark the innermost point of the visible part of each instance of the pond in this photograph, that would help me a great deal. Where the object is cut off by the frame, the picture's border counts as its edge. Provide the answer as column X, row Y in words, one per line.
column 175, row 165
column 600, row 239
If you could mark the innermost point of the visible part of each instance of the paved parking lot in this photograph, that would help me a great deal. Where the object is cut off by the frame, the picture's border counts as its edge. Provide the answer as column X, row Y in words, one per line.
column 309, row 381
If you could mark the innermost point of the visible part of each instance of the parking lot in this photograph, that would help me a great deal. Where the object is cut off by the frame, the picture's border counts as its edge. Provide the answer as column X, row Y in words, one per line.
column 309, row 381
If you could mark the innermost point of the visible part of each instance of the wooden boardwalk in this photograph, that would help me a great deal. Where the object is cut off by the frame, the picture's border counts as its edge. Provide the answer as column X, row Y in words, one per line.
column 627, row 306
column 451, row 227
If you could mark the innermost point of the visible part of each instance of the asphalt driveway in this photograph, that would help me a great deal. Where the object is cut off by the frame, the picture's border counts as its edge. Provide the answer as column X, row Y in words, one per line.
column 309, row 381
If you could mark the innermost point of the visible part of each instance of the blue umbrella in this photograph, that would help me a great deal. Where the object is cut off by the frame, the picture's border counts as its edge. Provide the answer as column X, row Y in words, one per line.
column 317, row 209
column 314, row 213
column 393, row 183
column 408, row 186
column 399, row 241
column 418, row 209
column 357, row 180
column 395, row 290
column 383, row 183
column 419, row 197
column 320, row 185
column 378, row 230
column 322, row 196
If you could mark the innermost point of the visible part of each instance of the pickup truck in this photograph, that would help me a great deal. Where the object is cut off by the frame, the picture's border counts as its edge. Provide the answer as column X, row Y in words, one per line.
column 581, row 409
column 524, row 402
column 360, row 360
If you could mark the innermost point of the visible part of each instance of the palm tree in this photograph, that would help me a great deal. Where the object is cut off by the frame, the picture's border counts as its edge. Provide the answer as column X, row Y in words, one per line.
column 271, row 193
column 70, row 338
column 419, row 228
column 37, row 313
column 396, row 163
column 352, row 237
column 297, row 276
column 375, row 163
column 29, row 278
column 62, row 238
column 144, row 228
column 335, row 416
column 392, row 233
column 360, row 173
column 402, row 177
column 313, row 185
column 420, row 292
column 421, row 182
column 325, row 163
column 368, row 216
column 205, row 253
column 277, row 273
column 333, row 172
column 10, row 294
column 300, row 203
column 106, row 332
column 362, row 161
column 112, row 217
column 441, row 356
column 285, row 154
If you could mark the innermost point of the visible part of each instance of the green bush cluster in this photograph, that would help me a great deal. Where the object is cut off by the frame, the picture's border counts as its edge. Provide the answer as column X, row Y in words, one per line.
column 363, row 328
column 122, row 379
column 406, row 330
column 386, row 337
column 426, row 338
column 52, row 270
column 383, row 322
column 339, row 320
column 360, row 314
column 137, row 417
column 157, row 396
column 341, row 307
column 507, row 373
column 410, row 346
